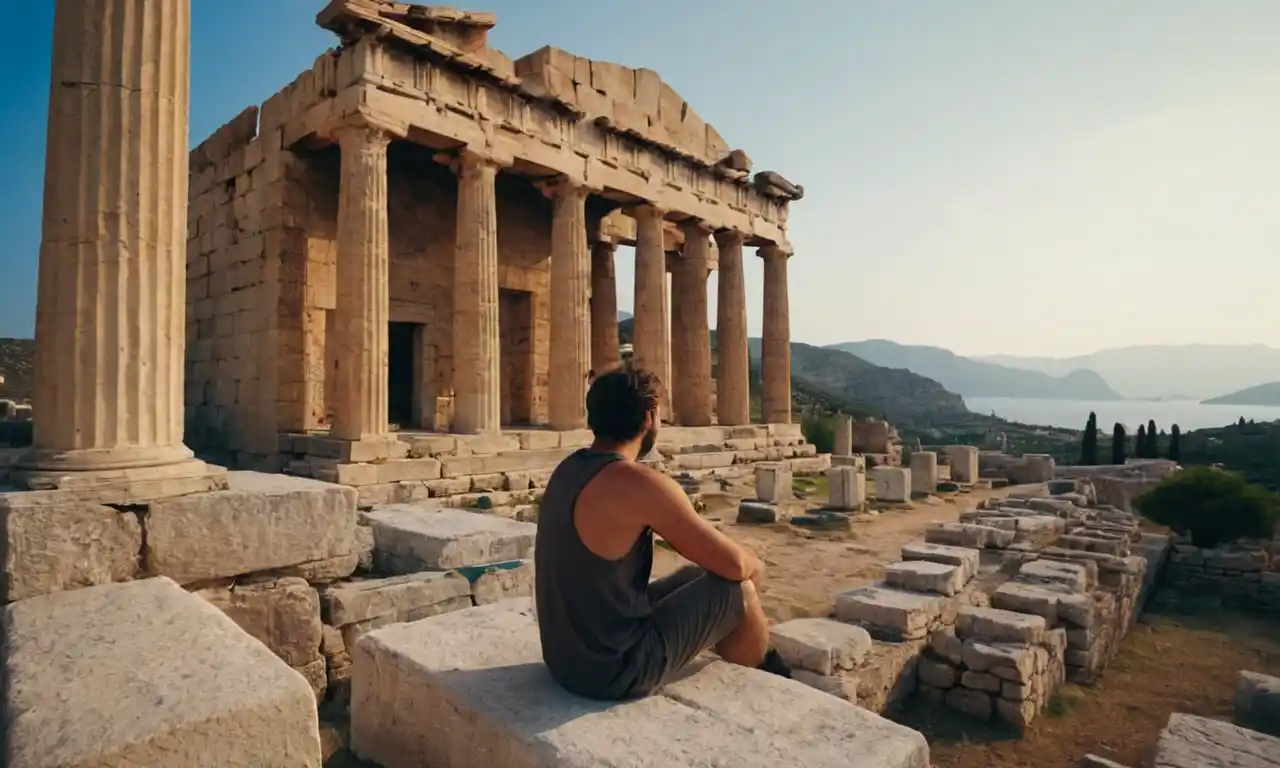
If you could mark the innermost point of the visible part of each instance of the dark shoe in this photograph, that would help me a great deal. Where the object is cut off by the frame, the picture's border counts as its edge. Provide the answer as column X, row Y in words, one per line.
column 773, row 663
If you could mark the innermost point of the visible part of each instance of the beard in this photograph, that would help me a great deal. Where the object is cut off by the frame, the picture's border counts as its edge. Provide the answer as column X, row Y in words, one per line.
column 647, row 443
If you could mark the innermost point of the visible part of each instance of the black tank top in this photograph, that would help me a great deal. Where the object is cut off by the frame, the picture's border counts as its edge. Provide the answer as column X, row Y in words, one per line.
column 592, row 612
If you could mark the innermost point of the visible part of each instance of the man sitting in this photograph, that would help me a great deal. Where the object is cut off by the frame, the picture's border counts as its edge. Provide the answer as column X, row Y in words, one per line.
column 607, row 632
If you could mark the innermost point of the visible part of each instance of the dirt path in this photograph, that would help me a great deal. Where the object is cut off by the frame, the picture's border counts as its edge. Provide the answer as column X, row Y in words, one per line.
column 806, row 570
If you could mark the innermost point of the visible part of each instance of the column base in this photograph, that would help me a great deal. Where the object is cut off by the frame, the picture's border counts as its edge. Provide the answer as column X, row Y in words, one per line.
column 119, row 476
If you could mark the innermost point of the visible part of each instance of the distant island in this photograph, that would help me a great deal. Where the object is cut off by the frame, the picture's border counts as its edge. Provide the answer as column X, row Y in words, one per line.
column 975, row 378
column 1262, row 394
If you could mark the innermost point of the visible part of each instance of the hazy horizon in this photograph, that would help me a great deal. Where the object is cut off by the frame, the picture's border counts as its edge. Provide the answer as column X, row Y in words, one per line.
column 1026, row 179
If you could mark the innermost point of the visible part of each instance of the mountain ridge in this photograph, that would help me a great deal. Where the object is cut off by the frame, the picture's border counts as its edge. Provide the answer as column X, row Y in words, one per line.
column 1267, row 394
column 974, row 378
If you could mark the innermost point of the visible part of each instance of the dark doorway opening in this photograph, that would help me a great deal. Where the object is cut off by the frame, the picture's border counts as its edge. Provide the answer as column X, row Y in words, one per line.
column 402, row 348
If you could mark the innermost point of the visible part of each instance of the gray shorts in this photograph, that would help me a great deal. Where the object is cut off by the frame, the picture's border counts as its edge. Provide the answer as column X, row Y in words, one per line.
column 692, row 611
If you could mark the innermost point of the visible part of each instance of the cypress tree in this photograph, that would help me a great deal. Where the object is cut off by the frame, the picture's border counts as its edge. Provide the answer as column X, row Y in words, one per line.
column 1089, row 445
column 1175, row 440
column 1117, row 444
column 1140, row 443
column 1153, row 441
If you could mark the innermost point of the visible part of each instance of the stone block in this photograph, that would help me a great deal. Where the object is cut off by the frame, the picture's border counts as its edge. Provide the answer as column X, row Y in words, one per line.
column 49, row 547
column 999, row 626
column 846, row 488
column 496, row 584
column 1189, row 741
column 260, row 523
column 924, row 472
column 938, row 674
column 428, row 694
column 841, row 686
column 926, row 576
column 409, row 538
column 756, row 513
column 966, row 558
column 893, row 484
column 945, row 643
column 968, row 535
column 893, row 613
column 1019, row 712
column 1017, row 662
column 283, row 614
column 981, row 681
column 1074, row 576
column 964, row 463
column 1052, row 601
column 163, row 678
column 820, row 645
column 858, row 462
column 403, row 598
column 972, row 703
column 773, row 483
column 1257, row 702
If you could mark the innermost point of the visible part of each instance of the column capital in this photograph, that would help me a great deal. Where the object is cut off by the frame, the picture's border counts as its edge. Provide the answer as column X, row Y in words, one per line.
column 360, row 134
column 470, row 159
column 564, row 187
column 695, row 227
column 775, row 251
column 730, row 237
column 648, row 211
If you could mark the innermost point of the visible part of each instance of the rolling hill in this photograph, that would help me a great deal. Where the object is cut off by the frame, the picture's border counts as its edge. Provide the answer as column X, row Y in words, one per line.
column 974, row 378
column 1262, row 394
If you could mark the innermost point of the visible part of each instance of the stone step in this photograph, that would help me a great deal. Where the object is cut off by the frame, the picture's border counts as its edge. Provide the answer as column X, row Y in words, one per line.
column 966, row 558
column 357, row 606
column 894, row 614
column 1189, row 741
column 409, row 538
column 182, row 681
column 968, row 535
column 428, row 693
column 999, row 626
column 926, row 576
column 1052, row 601
column 822, row 646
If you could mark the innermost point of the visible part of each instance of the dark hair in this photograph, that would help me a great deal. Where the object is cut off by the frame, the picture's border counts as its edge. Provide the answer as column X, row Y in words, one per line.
column 618, row 401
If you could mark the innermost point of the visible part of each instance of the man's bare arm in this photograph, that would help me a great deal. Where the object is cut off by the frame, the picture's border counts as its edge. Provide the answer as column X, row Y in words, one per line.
column 662, row 505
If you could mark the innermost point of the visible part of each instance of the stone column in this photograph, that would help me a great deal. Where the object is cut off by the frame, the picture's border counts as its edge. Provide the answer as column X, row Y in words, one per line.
column 843, row 436
column 650, row 340
column 362, row 309
column 775, row 357
column 570, row 309
column 605, row 353
column 691, row 338
column 733, row 398
column 476, row 332
column 111, row 298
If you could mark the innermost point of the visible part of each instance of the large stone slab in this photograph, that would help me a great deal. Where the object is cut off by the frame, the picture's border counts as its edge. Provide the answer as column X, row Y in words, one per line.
column 404, row 598
column 820, row 645
column 926, row 576
column 967, row 535
column 52, row 546
column 966, row 558
column 146, row 675
column 427, row 693
column 408, row 538
column 1257, row 702
column 1198, row 742
column 894, row 613
column 261, row 522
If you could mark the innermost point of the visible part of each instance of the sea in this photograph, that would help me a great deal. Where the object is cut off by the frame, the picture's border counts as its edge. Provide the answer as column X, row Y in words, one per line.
column 1188, row 415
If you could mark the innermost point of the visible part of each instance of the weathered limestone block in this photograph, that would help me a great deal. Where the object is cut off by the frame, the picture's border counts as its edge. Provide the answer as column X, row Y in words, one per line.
column 973, row 703
column 1052, row 601
column 428, row 694
column 965, row 558
column 936, row 673
column 410, row 538
column 50, row 547
column 773, row 483
column 964, row 463
column 893, row 484
column 1257, row 702
column 841, row 685
column 925, row 576
column 820, row 645
column 847, row 487
column 1075, row 576
column 893, row 613
column 999, row 626
column 924, row 472
column 284, row 614
column 166, row 679
column 1189, row 741
column 1016, row 662
column 967, row 535
column 261, row 522
column 398, row 598
column 756, row 513
column 503, row 583
column 946, row 645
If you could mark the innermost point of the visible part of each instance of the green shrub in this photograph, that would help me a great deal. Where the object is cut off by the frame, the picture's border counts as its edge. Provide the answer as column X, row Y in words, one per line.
column 818, row 430
column 1211, row 506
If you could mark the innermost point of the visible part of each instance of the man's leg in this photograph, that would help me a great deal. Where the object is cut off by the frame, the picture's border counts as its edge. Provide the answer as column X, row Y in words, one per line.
column 663, row 586
column 707, row 611
column 748, row 643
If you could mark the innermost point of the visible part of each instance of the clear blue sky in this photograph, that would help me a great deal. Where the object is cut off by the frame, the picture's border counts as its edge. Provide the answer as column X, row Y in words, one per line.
column 1019, row 176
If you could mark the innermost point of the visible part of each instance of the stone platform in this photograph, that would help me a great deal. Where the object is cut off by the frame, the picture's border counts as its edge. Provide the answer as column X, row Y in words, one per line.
column 511, row 468
column 427, row 693
column 1189, row 741
column 147, row 675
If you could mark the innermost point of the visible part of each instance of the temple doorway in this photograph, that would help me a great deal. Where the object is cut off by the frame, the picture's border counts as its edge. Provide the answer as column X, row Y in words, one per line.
column 402, row 351
column 515, row 318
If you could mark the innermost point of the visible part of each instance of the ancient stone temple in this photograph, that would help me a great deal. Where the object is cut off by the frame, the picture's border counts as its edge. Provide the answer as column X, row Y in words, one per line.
column 416, row 238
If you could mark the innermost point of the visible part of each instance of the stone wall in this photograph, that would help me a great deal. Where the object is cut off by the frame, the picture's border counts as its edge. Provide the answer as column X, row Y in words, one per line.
column 1241, row 576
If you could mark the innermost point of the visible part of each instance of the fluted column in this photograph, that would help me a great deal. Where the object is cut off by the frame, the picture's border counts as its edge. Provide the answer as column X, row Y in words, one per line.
column 650, row 342
column 776, row 344
column 111, row 299
column 733, row 398
column 476, row 337
column 362, row 309
column 570, row 308
column 691, row 337
column 605, row 353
